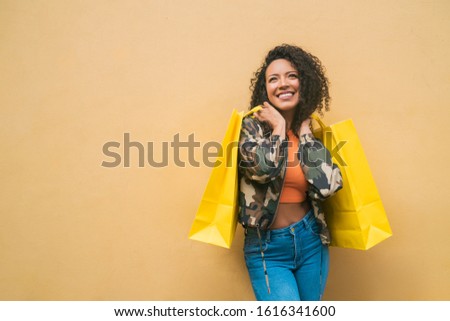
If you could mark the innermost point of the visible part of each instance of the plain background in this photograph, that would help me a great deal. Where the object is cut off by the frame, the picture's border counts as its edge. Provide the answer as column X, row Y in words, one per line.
column 77, row 74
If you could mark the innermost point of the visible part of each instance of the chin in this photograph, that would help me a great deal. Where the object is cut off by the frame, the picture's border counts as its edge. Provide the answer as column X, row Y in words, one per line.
column 286, row 106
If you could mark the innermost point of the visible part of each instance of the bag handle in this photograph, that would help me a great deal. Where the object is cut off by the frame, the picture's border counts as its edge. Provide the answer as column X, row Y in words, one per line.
column 318, row 120
column 254, row 109
column 313, row 116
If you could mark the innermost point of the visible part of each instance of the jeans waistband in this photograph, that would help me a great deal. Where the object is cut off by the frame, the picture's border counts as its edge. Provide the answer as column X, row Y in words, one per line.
column 307, row 220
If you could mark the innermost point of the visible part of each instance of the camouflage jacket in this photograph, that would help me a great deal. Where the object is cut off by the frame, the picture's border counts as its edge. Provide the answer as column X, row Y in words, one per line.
column 262, row 167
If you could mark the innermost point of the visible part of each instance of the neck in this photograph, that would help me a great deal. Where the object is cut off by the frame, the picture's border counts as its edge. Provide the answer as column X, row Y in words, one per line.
column 288, row 117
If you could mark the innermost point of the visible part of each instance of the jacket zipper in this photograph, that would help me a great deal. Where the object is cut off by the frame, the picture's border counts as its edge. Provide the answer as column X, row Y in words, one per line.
column 282, row 184
column 266, row 275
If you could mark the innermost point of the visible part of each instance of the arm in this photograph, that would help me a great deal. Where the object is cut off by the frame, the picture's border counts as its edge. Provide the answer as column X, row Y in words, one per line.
column 322, row 174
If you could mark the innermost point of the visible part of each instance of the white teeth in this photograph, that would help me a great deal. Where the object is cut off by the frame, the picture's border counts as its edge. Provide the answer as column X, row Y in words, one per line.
column 285, row 95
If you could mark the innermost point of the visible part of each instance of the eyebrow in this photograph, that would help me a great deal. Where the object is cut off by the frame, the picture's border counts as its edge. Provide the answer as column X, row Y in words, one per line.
column 284, row 73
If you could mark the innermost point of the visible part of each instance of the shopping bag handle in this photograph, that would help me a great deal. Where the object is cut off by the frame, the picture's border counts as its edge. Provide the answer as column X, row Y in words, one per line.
column 254, row 109
column 318, row 120
column 313, row 116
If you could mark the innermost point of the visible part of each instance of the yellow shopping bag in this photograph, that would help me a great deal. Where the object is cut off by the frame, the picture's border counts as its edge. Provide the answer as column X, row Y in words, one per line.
column 355, row 215
column 216, row 218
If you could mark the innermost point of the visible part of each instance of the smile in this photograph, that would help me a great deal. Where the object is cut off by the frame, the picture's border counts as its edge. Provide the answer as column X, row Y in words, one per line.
column 285, row 95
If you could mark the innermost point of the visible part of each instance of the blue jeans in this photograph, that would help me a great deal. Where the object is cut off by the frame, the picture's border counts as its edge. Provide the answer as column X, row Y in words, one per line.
column 295, row 258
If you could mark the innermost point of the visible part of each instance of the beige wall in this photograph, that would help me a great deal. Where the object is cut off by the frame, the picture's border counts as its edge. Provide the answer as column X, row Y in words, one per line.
column 77, row 74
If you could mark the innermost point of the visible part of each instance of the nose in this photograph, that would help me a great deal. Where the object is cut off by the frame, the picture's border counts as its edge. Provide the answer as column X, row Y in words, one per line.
column 283, row 82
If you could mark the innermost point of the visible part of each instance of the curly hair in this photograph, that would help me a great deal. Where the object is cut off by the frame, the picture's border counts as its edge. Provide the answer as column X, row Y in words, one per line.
column 314, row 84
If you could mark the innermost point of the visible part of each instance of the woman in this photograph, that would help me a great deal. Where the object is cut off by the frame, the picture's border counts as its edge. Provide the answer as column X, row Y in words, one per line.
column 284, row 175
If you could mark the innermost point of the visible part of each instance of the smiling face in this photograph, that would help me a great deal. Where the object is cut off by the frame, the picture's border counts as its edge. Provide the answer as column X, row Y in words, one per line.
column 283, row 86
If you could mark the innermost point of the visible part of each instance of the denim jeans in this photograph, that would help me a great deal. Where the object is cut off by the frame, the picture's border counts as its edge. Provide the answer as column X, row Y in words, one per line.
column 295, row 258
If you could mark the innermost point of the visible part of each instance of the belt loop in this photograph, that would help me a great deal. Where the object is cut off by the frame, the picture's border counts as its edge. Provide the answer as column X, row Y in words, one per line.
column 306, row 219
column 305, row 222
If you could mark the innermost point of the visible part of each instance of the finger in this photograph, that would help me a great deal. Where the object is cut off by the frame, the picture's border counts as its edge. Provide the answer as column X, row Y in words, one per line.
column 266, row 105
column 257, row 115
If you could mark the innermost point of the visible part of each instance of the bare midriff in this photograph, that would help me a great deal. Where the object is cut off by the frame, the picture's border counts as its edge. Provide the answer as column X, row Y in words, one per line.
column 289, row 213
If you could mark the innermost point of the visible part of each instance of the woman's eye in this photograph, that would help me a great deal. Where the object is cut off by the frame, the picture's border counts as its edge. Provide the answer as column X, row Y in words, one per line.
column 272, row 79
column 293, row 76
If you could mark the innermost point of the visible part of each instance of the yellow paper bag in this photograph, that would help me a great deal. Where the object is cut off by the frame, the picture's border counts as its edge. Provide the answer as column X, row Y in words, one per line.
column 216, row 218
column 355, row 215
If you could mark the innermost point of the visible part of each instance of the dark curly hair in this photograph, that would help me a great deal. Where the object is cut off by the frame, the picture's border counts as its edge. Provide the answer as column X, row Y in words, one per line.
column 314, row 84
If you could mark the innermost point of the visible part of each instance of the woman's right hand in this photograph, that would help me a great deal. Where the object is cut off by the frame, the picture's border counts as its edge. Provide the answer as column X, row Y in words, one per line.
column 271, row 116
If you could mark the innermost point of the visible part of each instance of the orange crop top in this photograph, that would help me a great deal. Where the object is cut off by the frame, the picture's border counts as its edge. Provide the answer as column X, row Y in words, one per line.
column 295, row 184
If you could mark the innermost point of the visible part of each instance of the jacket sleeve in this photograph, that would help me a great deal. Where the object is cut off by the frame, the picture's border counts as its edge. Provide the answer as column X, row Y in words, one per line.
column 322, row 174
column 261, row 156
